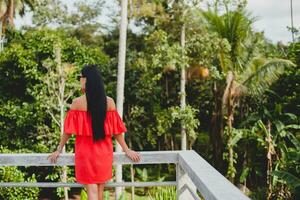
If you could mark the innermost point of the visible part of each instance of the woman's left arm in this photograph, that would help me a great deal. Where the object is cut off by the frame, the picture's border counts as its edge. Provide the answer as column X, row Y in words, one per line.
column 135, row 156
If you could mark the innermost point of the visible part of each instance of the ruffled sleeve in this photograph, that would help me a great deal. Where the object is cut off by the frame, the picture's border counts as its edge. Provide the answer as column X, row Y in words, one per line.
column 78, row 122
column 114, row 124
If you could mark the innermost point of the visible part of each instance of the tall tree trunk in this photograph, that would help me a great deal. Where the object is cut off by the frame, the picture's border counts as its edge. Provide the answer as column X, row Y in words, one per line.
column 62, row 85
column 292, row 20
column 3, row 23
column 1, row 28
column 270, row 163
column 216, row 127
column 120, row 81
column 229, row 98
column 182, row 91
column 11, row 13
column 231, row 169
column 172, row 142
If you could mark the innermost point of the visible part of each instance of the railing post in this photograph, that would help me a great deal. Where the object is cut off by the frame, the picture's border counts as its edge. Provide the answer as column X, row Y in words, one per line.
column 184, row 183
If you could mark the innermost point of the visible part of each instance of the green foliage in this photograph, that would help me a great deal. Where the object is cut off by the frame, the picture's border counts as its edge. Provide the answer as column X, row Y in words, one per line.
column 237, row 135
column 208, row 50
column 285, row 170
column 143, row 174
column 55, row 176
column 166, row 55
column 13, row 174
column 83, row 195
column 288, row 178
column 161, row 193
column 172, row 118
column 187, row 117
column 286, row 91
column 235, row 26
column 261, row 73
column 221, row 42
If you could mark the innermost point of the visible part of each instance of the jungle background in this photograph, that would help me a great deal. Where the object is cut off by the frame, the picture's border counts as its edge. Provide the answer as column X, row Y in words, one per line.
column 242, row 90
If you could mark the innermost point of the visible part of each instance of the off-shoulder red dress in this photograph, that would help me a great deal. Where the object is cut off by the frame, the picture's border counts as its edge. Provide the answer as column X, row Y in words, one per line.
column 93, row 160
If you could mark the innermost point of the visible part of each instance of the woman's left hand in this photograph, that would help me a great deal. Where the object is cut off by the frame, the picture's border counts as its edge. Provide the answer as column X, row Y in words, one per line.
column 53, row 156
column 133, row 155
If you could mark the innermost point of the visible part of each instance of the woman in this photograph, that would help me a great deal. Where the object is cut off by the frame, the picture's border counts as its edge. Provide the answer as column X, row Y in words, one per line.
column 93, row 118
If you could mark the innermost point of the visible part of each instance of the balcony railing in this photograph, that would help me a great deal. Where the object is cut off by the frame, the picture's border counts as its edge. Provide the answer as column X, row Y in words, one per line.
column 193, row 174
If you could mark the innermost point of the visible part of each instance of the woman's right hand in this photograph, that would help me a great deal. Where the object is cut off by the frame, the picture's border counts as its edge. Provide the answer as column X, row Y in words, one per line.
column 133, row 155
column 53, row 156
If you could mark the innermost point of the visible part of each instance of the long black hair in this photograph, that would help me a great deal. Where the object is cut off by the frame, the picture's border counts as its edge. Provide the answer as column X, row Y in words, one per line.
column 96, row 99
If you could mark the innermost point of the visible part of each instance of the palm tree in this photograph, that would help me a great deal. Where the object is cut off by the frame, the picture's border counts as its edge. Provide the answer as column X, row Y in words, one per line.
column 8, row 9
column 234, row 26
column 246, row 72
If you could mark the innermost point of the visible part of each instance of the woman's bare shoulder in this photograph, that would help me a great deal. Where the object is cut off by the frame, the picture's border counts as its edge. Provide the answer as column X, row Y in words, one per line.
column 75, row 103
column 110, row 103
column 78, row 103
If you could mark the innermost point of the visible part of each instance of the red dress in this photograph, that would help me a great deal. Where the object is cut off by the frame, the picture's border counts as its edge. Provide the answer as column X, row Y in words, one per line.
column 93, row 160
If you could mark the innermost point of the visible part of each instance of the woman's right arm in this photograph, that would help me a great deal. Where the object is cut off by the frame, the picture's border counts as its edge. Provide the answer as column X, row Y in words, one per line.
column 63, row 140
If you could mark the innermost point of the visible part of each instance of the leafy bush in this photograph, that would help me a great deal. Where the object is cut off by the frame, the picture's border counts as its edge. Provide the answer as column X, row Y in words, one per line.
column 161, row 193
column 12, row 174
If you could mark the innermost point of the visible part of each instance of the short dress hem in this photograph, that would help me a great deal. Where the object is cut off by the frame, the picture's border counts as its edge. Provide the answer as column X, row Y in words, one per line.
column 101, row 181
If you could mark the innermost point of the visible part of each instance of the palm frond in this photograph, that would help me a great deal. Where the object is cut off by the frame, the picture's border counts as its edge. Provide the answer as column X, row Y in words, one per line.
column 214, row 22
column 261, row 73
column 287, row 177
column 234, row 26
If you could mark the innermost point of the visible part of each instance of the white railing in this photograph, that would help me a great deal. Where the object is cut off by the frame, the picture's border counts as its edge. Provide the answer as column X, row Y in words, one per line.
column 193, row 173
